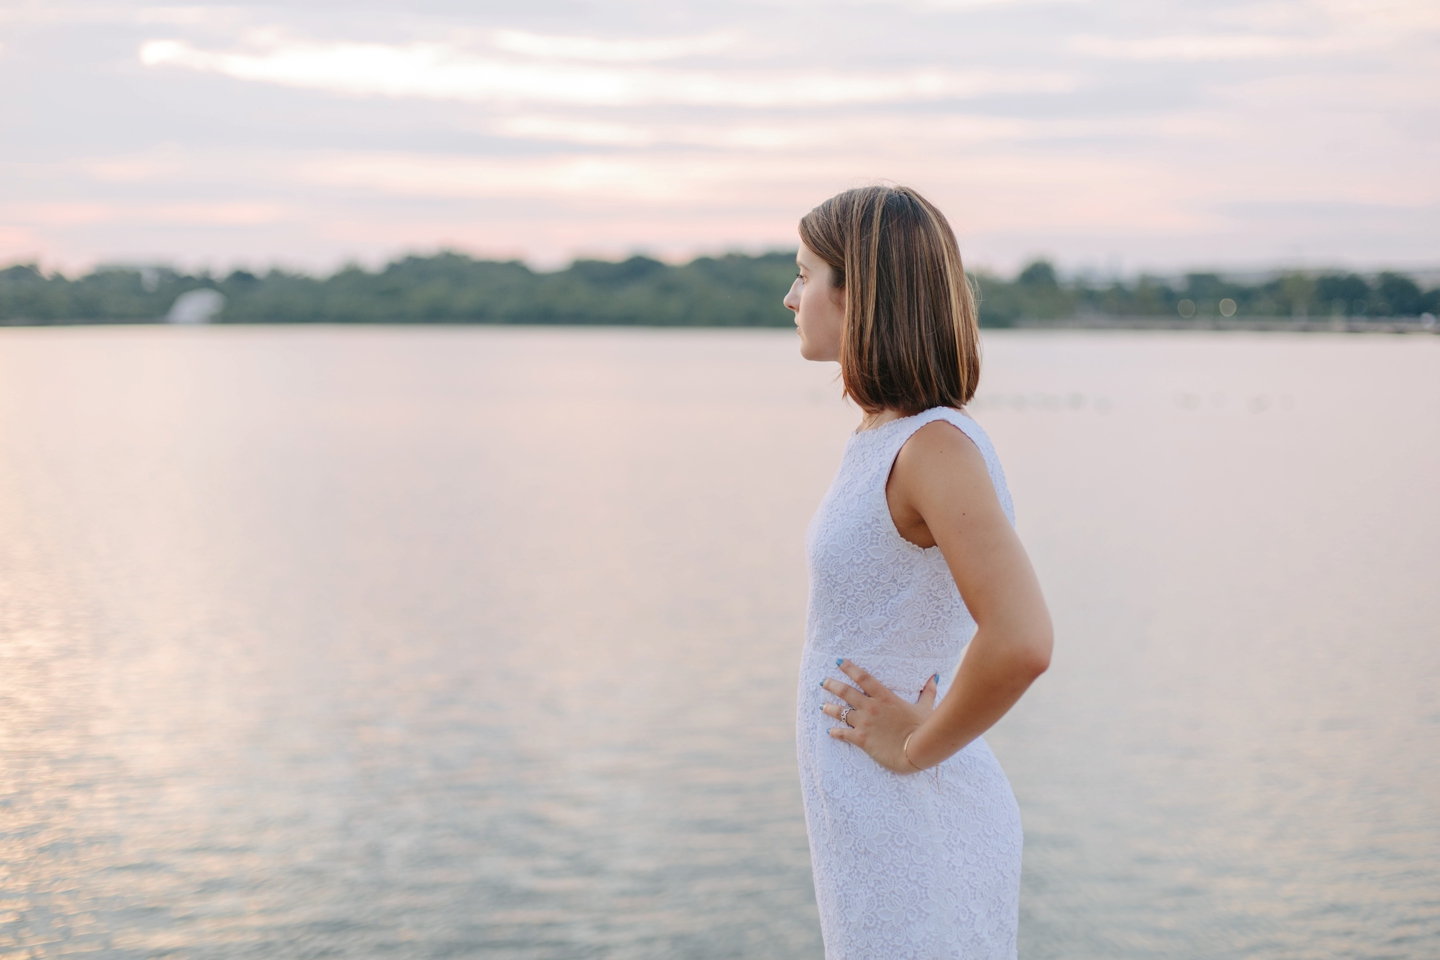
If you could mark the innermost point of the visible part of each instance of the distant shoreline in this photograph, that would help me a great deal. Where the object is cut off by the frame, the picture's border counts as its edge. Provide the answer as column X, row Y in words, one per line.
column 733, row 290
column 1279, row 324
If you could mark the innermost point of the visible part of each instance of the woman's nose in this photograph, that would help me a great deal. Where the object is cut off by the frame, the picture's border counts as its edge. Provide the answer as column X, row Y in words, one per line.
column 791, row 301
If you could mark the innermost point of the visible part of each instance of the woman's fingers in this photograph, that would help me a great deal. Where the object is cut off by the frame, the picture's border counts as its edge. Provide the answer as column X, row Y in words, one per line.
column 844, row 691
column 863, row 680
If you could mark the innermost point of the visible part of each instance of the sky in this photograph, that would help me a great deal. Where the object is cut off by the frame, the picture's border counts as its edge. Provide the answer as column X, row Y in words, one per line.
column 1110, row 136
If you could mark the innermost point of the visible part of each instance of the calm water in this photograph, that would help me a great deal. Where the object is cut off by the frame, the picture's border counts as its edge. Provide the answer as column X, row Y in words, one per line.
column 481, row 642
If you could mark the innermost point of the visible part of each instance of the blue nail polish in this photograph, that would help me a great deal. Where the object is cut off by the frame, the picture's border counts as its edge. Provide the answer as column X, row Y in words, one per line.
column 822, row 683
column 937, row 679
column 839, row 661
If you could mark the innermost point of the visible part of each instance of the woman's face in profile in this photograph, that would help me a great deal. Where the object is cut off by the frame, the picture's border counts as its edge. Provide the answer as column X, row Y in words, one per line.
column 819, row 307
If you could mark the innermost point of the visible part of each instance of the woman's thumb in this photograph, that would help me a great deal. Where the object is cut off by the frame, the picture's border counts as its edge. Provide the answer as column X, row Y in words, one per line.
column 927, row 692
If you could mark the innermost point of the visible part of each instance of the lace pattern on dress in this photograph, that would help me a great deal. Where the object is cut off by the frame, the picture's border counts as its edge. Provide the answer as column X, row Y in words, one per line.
column 902, row 869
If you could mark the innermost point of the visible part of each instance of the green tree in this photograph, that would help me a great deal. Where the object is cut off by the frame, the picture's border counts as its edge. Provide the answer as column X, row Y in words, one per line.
column 1398, row 296
column 1342, row 294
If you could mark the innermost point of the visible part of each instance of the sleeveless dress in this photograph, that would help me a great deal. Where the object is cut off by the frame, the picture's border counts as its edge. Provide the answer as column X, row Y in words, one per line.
column 907, row 866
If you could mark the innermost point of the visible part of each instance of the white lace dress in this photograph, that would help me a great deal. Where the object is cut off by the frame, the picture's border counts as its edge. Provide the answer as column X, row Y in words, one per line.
column 907, row 867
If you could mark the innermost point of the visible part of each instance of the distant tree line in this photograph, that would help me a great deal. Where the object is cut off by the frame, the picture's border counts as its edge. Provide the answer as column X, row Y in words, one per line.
column 1038, row 293
column 727, row 291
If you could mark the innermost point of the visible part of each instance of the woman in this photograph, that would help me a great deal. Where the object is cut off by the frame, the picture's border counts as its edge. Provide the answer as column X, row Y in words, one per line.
column 914, row 831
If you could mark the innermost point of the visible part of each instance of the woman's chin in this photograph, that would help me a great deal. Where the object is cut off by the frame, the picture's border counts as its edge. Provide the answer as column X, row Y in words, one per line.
column 809, row 352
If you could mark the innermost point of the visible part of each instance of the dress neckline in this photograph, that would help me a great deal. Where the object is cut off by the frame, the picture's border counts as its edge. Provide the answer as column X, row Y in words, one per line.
column 876, row 429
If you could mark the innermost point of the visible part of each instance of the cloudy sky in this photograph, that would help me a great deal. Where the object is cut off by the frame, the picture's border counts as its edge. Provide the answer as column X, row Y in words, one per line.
column 1111, row 135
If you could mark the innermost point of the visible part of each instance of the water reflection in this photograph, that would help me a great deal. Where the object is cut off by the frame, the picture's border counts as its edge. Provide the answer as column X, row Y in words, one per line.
column 434, row 642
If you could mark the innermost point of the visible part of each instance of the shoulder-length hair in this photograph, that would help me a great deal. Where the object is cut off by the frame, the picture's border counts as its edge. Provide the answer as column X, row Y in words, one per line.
column 911, row 340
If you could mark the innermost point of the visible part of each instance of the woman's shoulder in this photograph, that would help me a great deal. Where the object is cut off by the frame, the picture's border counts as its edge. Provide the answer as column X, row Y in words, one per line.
column 929, row 432
column 951, row 450
column 945, row 434
column 944, row 425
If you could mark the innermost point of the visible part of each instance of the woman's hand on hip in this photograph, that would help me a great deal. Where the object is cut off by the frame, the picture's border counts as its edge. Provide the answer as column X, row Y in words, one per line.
column 874, row 718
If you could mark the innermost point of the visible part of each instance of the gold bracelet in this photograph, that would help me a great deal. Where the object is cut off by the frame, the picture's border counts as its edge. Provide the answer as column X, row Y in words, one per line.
column 906, row 750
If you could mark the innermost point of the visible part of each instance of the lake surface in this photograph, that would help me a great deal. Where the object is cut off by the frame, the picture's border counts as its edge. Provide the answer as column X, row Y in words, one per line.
column 370, row 642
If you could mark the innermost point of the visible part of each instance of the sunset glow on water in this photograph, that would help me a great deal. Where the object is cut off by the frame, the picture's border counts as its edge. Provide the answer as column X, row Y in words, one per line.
column 435, row 642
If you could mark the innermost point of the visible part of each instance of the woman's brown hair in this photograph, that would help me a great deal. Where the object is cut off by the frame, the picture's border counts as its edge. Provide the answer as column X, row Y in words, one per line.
column 911, row 339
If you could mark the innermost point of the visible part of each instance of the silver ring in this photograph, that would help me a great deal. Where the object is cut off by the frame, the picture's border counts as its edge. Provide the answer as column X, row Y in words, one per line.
column 845, row 713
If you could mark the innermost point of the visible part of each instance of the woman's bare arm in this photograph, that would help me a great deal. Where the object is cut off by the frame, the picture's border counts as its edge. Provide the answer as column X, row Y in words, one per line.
column 940, row 493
